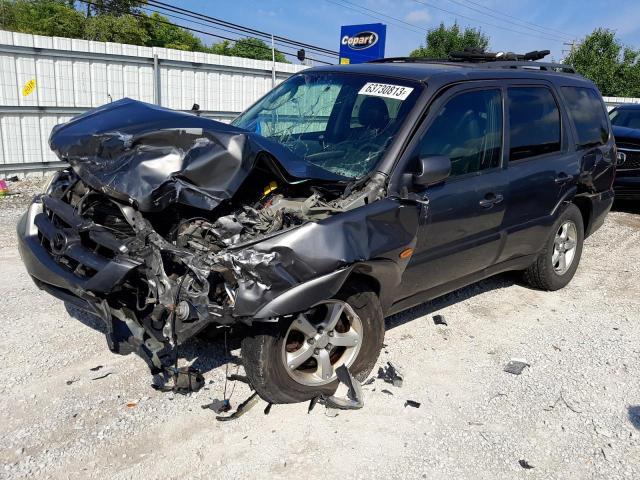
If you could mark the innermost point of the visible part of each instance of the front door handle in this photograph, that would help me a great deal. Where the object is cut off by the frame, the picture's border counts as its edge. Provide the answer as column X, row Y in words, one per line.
column 563, row 178
column 490, row 199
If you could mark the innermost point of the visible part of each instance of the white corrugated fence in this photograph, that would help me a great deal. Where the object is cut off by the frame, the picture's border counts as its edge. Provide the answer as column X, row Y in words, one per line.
column 73, row 75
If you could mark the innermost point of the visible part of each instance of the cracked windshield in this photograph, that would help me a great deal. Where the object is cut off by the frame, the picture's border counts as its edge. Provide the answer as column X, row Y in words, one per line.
column 340, row 123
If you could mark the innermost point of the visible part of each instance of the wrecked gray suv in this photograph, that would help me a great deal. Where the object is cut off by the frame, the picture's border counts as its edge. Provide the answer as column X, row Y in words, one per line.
column 344, row 195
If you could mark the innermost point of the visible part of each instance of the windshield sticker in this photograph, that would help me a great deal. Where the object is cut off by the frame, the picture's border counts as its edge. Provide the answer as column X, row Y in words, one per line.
column 385, row 90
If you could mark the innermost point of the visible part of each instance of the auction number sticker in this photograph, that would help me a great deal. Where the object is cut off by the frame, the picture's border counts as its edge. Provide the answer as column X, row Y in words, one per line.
column 386, row 90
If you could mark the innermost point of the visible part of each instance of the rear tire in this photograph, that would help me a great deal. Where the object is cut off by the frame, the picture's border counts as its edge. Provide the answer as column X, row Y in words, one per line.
column 564, row 244
column 264, row 351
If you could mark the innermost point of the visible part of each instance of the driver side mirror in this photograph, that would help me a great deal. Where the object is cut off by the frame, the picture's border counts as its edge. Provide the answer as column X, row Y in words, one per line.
column 432, row 170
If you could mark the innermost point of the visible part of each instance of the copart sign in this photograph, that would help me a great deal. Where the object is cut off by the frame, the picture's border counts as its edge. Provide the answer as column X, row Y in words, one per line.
column 362, row 43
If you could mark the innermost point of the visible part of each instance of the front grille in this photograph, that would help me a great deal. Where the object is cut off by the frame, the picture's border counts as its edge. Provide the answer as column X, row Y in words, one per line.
column 76, row 242
column 633, row 157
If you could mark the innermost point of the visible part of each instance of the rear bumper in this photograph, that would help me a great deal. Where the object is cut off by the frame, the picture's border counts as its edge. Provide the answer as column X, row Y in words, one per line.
column 627, row 187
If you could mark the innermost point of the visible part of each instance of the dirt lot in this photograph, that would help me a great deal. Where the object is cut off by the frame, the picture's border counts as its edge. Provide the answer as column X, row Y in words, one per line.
column 575, row 413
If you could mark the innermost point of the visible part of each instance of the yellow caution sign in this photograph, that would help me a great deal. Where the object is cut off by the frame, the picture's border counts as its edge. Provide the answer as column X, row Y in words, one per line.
column 29, row 87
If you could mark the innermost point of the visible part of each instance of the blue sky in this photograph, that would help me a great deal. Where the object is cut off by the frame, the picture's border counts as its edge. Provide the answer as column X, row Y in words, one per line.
column 318, row 21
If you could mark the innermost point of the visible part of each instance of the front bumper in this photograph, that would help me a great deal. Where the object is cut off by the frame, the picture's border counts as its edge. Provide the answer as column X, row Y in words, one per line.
column 83, row 277
column 627, row 185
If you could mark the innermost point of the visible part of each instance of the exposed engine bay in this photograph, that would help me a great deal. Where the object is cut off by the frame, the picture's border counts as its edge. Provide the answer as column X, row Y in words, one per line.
column 163, row 233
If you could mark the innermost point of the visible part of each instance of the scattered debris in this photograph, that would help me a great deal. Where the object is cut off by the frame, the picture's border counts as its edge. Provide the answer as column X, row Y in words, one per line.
column 243, row 408
column 370, row 381
column 391, row 374
column 267, row 409
column 185, row 380
column 132, row 404
column 102, row 373
column 557, row 348
column 234, row 377
column 516, row 366
column 412, row 403
column 73, row 380
column 218, row 406
column 388, row 392
column 352, row 399
column 439, row 320
column 497, row 395
column 312, row 404
column 561, row 398
column 526, row 465
column 96, row 368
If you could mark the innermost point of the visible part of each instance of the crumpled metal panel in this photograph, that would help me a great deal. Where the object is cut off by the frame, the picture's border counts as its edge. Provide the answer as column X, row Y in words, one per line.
column 153, row 157
column 377, row 232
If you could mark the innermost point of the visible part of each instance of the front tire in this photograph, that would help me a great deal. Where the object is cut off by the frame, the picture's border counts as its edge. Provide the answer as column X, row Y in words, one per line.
column 294, row 360
column 557, row 263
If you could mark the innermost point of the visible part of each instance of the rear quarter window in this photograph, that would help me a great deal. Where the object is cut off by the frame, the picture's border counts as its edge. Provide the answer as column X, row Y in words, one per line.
column 534, row 122
column 588, row 115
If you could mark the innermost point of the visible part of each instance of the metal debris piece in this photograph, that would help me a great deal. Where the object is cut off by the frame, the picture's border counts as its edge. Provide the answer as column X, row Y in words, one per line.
column 267, row 409
column 353, row 399
column 312, row 404
column 102, row 373
column 439, row 320
column 243, row 408
column 391, row 374
column 234, row 377
column 73, row 380
column 218, row 406
column 516, row 366
column 412, row 403
column 388, row 392
column 96, row 368
column 185, row 380
column 526, row 465
column 370, row 381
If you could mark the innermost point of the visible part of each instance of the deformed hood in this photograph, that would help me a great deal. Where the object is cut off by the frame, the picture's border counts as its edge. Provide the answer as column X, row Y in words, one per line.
column 153, row 156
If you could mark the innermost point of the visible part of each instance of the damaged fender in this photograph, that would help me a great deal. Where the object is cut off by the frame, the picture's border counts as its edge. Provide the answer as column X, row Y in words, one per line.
column 296, row 269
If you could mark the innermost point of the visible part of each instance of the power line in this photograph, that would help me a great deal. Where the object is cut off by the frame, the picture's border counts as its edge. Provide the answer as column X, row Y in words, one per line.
column 281, row 47
column 456, row 14
column 377, row 15
column 242, row 28
column 564, row 36
column 516, row 18
column 137, row 15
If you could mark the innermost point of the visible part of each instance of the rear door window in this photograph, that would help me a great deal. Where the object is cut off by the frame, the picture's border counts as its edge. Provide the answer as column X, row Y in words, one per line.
column 588, row 114
column 534, row 123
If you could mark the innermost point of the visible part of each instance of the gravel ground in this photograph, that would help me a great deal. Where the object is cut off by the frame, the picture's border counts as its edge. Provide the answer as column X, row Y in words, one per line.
column 574, row 413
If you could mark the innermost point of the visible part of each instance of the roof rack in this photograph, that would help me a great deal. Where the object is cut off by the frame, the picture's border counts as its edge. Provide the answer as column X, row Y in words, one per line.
column 484, row 59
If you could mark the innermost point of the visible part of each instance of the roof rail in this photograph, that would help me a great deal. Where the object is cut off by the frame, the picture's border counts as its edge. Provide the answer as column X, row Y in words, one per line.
column 482, row 59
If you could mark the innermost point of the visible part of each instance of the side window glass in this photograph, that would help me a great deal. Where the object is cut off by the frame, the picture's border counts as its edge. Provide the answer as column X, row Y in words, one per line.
column 588, row 115
column 534, row 123
column 468, row 129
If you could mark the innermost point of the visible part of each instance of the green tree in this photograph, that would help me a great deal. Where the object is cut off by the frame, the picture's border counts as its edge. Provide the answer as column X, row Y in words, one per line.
column 102, row 7
column 119, row 29
column 614, row 68
column 256, row 49
column 221, row 48
column 441, row 41
column 164, row 34
column 42, row 17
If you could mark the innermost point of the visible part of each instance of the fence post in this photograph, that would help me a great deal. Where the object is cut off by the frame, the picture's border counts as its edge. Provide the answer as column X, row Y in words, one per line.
column 156, row 80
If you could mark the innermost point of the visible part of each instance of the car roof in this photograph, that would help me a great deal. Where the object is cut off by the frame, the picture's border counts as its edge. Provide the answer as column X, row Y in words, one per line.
column 449, row 72
column 628, row 106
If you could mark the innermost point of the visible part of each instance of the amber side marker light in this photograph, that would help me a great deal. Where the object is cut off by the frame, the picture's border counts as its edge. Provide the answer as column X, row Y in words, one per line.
column 406, row 253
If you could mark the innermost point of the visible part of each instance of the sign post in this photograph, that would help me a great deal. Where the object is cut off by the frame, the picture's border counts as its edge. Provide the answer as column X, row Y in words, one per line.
column 362, row 43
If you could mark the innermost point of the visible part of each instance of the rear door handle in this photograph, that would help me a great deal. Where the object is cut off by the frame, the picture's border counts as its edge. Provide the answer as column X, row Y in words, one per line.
column 563, row 178
column 490, row 199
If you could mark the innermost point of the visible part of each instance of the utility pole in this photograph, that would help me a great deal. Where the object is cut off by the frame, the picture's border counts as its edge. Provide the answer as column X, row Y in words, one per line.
column 273, row 62
column 572, row 46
